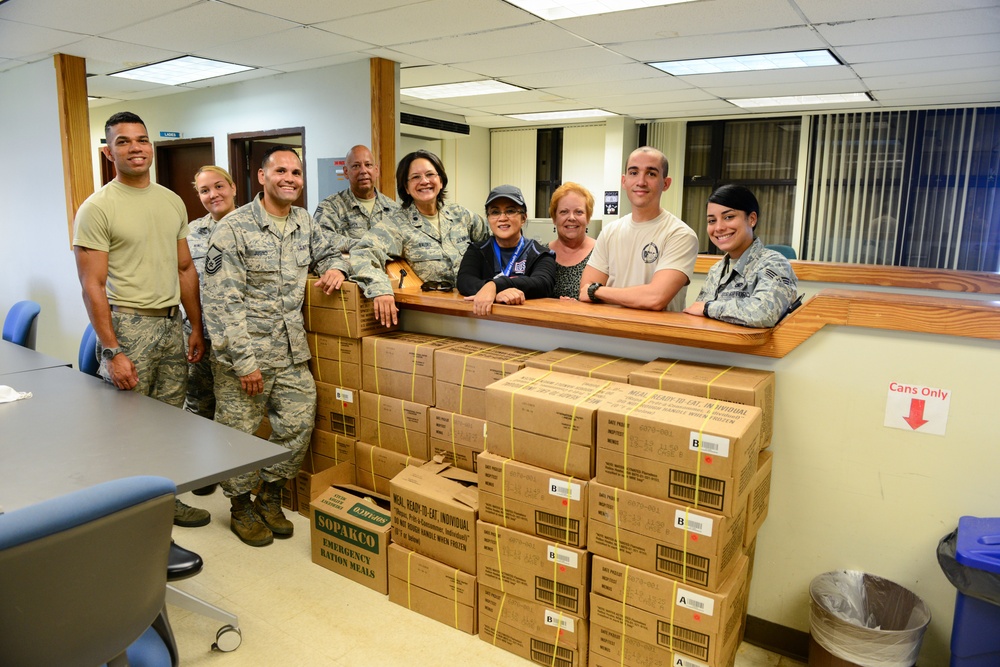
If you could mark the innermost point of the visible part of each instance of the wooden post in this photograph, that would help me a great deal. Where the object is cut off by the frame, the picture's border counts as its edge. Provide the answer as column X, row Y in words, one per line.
column 384, row 123
column 74, row 128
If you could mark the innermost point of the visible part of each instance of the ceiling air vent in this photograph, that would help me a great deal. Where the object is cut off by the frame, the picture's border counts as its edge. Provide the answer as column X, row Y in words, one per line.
column 433, row 123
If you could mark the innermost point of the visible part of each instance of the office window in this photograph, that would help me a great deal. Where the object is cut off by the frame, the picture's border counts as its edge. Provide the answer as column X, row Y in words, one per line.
column 905, row 188
column 760, row 154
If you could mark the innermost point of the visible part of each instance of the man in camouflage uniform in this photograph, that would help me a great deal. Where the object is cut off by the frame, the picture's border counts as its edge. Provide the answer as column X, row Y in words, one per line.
column 347, row 215
column 135, row 268
column 255, row 278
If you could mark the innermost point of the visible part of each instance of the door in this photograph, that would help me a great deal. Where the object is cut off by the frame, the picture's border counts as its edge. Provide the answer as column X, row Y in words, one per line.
column 246, row 152
column 176, row 163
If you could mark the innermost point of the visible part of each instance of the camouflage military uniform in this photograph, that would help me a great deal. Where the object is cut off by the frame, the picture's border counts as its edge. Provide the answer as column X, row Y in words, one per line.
column 254, row 287
column 345, row 221
column 433, row 255
column 156, row 347
column 200, row 398
column 755, row 292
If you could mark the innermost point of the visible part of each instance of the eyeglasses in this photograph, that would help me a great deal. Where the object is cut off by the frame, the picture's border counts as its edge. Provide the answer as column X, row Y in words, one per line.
column 509, row 212
column 416, row 178
column 437, row 286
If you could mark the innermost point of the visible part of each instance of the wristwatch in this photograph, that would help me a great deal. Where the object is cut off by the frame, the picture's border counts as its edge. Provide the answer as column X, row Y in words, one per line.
column 592, row 292
column 110, row 353
column 704, row 311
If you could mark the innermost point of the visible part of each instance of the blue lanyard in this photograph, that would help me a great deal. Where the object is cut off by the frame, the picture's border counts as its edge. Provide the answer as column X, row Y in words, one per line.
column 513, row 258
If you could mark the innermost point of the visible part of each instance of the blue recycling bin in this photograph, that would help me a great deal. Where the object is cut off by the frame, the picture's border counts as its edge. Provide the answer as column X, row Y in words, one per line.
column 975, row 634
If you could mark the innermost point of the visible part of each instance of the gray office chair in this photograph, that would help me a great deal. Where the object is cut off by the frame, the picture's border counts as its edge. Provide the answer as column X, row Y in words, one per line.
column 82, row 577
column 18, row 326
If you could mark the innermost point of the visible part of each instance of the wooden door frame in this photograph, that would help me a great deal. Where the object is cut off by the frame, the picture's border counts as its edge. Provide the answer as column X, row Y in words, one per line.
column 240, row 171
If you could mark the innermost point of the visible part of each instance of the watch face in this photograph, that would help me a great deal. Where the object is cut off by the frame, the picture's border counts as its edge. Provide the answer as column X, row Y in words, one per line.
column 109, row 353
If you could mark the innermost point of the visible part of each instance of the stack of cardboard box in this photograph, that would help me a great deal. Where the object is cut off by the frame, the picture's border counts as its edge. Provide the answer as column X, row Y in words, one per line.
column 587, row 364
column 676, row 476
column 534, row 570
column 461, row 374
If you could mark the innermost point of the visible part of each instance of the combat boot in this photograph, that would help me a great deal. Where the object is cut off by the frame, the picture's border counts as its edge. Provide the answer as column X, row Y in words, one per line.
column 247, row 525
column 268, row 508
column 190, row 517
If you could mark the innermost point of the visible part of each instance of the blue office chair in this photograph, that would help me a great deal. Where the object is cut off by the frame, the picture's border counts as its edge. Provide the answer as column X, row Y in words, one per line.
column 83, row 577
column 87, row 357
column 18, row 325
column 786, row 250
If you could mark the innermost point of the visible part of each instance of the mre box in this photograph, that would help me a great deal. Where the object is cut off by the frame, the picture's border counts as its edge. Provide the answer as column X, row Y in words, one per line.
column 746, row 386
column 696, row 547
column 395, row 423
column 338, row 409
column 346, row 312
column 433, row 589
column 759, row 499
column 459, row 438
column 376, row 466
column 401, row 364
column 350, row 536
column 534, row 568
column 533, row 500
column 435, row 515
column 532, row 630
column 587, row 364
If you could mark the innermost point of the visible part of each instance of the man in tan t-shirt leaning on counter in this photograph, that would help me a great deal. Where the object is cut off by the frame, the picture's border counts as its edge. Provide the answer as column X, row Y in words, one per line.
column 643, row 260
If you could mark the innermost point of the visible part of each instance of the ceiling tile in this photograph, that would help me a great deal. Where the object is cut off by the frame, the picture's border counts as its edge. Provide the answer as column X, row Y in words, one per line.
column 535, row 38
column 908, row 28
column 93, row 17
column 576, row 77
column 739, row 43
column 528, row 63
column 30, row 43
column 288, row 46
column 308, row 12
column 825, row 11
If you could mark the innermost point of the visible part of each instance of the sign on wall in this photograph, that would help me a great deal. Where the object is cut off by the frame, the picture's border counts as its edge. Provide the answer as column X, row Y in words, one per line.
column 917, row 408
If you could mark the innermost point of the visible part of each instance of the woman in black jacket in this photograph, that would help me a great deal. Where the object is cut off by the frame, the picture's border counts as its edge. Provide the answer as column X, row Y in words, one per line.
column 507, row 268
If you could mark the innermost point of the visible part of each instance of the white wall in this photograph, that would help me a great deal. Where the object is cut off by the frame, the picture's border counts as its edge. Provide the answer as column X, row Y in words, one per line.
column 35, row 258
column 331, row 103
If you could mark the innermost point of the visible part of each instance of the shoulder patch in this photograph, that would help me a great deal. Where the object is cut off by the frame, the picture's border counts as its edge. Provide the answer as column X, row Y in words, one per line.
column 213, row 260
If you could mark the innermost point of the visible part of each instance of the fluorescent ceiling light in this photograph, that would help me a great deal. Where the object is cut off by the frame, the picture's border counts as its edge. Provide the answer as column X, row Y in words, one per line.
column 466, row 89
column 800, row 100
column 553, row 10
column 562, row 115
column 181, row 70
column 763, row 61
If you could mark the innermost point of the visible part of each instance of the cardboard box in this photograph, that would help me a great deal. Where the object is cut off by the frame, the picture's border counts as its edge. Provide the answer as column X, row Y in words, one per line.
column 746, row 386
column 555, row 405
column 534, row 568
column 714, row 617
column 410, row 353
column 533, row 500
column 476, row 365
column 433, row 589
column 332, row 446
column 716, row 437
column 609, row 648
column 346, row 312
column 312, row 465
column 338, row 409
column 463, row 400
column 759, row 499
column 435, row 515
column 569, row 458
column 695, row 547
column 587, row 364
column 264, row 429
column 350, row 536
column 377, row 466
column 336, row 372
column 335, row 348
column 458, row 438
column 532, row 630
column 396, row 424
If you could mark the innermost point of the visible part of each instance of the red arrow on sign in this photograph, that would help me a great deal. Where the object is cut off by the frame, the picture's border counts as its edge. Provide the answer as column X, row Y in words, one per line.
column 916, row 418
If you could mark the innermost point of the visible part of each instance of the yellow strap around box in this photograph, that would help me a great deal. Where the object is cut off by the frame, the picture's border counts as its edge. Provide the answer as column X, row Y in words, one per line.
column 454, row 445
column 625, row 441
column 555, row 644
column 590, row 373
column 347, row 319
column 406, row 431
column 496, row 628
column 455, row 579
column 409, row 558
column 375, row 361
column 572, row 423
column 503, row 490
column 618, row 537
column 512, row 395
column 684, row 552
column 465, row 364
column 496, row 533
column 708, row 388
column 673, row 608
column 371, row 462
column 319, row 372
column 559, row 361
column 621, row 654
column 659, row 380
column 701, row 437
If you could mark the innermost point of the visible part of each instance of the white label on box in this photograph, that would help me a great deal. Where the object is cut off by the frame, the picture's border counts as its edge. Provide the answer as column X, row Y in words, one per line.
column 563, row 557
column 695, row 602
column 345, row 395
column 693, row 523
column 561, row 621
column 710, row 444
column 684, row 661
column 563, row 489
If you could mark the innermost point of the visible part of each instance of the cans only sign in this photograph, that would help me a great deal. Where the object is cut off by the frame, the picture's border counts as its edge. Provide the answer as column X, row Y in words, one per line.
column 916, row 408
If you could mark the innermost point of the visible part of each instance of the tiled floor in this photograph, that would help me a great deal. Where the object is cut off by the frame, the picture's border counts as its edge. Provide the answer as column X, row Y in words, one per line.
column 293, row 612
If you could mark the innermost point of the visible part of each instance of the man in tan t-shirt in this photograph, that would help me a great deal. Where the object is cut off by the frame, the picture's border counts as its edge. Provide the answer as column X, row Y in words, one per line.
column 135, row 269
column 643, row 260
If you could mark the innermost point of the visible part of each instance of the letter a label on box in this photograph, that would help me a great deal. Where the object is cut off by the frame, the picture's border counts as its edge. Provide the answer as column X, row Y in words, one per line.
column 914, row 407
